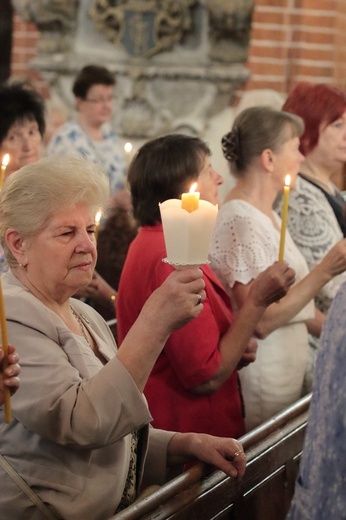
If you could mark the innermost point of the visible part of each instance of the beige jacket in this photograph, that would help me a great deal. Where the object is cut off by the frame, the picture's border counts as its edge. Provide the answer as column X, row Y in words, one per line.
column 69, row 436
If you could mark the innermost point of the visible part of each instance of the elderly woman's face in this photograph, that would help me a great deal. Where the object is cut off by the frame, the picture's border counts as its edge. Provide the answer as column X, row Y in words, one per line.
column 22, row 142
column 61, row 257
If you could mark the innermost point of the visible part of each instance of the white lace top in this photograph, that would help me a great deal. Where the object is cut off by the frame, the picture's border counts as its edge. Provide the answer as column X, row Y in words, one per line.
column 245, row 243
column 314, row 229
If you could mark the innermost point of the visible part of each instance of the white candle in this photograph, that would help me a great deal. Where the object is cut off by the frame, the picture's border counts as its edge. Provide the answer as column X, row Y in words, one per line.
column 187, row 235
column 97, row 223
column 128, row 151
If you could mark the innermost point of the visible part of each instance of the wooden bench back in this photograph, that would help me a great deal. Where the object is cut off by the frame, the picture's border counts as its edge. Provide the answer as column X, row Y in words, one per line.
column 273, row 452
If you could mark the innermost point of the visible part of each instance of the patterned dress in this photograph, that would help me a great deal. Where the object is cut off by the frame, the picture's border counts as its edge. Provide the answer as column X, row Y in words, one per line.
column 71, row 138
column 321, row 484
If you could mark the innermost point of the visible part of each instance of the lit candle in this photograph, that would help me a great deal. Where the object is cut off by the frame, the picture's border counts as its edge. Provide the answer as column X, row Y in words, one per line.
column 5, row 161
column 284, row 217
column 97, row 223
column 187, row 235
column 190, row 201
column 4, row 342
column 128, row 150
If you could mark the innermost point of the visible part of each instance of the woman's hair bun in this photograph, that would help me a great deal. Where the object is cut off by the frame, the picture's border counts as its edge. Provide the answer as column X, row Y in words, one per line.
column 230, row 145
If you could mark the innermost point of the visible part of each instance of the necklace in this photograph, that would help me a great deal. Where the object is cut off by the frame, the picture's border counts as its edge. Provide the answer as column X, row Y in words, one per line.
column 80, row 319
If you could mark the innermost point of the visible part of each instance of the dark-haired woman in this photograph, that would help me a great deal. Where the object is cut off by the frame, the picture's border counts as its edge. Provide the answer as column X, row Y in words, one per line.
column 262, row 148
column 22, row 125
column 194, row 383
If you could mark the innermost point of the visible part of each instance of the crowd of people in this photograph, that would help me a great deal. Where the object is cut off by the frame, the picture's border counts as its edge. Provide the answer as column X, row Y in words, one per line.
column 230, row 343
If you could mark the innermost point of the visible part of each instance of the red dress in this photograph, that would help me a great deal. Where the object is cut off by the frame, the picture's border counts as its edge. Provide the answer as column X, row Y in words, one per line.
column 190, row 355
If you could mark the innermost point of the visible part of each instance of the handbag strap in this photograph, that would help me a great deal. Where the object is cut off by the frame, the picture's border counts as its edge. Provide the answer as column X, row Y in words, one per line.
column 26, row 489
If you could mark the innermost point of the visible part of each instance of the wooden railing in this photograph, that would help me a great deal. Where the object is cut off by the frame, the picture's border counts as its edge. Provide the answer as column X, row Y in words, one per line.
column 273, row 451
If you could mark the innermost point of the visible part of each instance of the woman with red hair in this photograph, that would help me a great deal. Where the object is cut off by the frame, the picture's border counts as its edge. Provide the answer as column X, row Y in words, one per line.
column 316, row 214
column 323, row 143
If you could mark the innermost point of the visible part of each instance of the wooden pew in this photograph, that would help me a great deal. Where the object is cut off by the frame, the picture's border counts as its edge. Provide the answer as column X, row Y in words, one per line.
column 273, row 451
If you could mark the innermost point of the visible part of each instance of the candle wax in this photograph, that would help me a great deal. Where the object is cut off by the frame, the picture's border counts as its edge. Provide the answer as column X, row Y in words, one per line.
column 190, row 201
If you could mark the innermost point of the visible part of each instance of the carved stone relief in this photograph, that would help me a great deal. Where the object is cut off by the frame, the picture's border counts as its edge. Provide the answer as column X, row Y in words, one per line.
column 176, row 62
column 143, row 27
column 230, row 25
column 56, row 20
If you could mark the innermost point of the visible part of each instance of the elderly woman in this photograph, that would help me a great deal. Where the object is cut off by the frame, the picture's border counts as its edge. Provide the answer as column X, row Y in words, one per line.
column 262, row 148
column 79, row 437
column 197, row 369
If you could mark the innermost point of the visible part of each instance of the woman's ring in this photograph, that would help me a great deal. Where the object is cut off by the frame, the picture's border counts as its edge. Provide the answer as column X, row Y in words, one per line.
column 199, row 299
column 237, row 453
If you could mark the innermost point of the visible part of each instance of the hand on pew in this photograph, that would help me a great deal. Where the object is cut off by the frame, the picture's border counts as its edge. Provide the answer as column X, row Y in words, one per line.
column 224, row 453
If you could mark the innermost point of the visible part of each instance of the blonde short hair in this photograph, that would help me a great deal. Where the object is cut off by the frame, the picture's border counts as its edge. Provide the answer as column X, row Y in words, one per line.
column 31, row 195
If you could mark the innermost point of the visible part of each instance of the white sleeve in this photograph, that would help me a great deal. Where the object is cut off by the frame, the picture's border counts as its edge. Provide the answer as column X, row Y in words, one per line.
column 242, row 245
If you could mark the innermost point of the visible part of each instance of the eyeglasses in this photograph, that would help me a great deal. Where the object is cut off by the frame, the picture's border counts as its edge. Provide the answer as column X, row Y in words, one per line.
column 99, row 100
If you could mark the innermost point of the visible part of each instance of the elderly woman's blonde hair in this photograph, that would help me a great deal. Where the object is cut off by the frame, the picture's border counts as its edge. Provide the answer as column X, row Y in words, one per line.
column 31, row 196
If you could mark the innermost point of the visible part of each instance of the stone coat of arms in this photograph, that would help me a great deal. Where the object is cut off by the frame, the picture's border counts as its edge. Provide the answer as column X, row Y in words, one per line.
column 143, row 27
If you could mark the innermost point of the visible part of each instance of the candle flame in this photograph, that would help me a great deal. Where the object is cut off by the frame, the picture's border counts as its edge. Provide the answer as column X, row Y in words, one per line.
column 287, row 180
column 128, row 148
column 5, row 160
column 98, row 217
column 193, row 188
